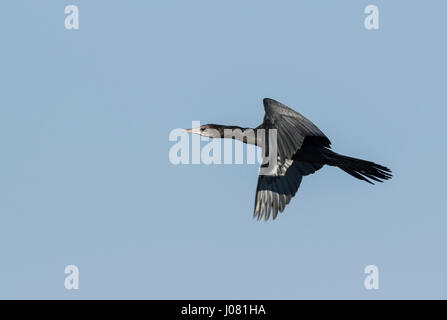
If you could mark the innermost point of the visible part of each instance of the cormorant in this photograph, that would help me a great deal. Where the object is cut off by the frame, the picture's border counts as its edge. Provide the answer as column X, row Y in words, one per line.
column 301, row 148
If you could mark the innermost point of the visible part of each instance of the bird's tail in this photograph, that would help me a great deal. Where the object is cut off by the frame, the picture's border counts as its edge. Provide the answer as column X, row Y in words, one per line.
column 361, row 169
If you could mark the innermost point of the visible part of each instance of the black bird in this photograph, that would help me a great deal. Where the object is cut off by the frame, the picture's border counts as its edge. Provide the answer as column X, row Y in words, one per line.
column 301, row 148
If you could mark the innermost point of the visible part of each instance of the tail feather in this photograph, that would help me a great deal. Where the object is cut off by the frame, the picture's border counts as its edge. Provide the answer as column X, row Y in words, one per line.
column 360, row 169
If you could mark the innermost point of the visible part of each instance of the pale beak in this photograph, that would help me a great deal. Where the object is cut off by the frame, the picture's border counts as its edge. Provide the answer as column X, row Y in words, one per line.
column 193, row 130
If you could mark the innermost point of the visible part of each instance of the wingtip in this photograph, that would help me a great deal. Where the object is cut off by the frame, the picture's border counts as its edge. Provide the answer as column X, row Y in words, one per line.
column 269, row 101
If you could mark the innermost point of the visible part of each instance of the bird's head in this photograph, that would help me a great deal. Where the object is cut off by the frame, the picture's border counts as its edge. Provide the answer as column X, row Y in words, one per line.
column 207, row 130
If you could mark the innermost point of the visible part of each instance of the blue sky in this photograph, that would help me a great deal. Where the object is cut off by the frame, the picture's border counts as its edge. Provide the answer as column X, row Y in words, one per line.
column 85, row 178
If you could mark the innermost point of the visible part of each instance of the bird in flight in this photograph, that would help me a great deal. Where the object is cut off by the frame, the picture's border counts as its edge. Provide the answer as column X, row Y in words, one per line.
column 301, row 149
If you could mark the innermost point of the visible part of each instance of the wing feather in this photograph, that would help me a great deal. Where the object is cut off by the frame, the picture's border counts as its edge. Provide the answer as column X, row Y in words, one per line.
column 275, row 189
column 274, row 192
column 292, row 128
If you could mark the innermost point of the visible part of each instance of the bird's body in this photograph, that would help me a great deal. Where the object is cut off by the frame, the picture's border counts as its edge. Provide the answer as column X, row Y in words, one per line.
column 301, row 149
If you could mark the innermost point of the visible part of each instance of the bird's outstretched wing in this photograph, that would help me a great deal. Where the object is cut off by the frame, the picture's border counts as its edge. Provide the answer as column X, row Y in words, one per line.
column 292, row 128
column 274, row 192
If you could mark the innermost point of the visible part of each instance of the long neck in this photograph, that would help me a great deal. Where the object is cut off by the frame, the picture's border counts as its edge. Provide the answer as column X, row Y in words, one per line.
column 246, row 135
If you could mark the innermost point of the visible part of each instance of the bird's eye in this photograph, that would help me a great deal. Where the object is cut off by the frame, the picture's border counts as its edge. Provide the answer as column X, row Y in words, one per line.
column 202, row 129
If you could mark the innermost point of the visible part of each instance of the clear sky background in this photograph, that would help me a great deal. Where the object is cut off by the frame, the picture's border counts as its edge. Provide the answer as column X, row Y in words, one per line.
column 85, row 177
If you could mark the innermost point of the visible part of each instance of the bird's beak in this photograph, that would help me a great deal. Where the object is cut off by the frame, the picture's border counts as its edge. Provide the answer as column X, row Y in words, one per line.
column 193, row 130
